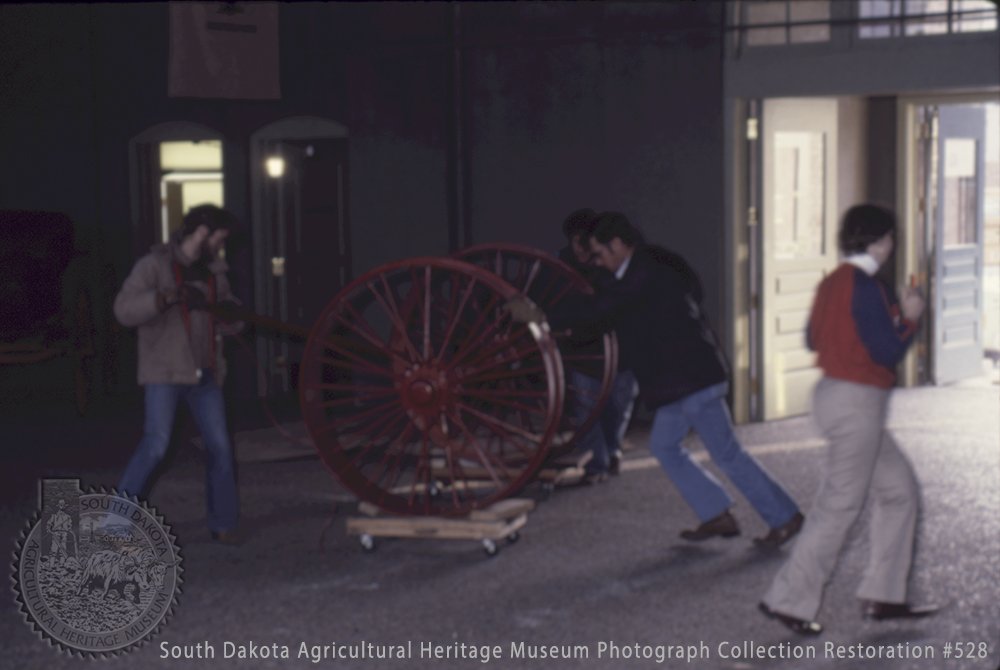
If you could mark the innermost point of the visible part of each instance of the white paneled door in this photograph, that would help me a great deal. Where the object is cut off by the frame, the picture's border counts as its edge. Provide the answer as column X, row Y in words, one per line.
column 957, row 349
column 798, row 243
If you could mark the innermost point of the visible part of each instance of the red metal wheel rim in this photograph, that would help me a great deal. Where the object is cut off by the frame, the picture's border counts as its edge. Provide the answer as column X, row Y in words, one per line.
column 547, row 280
column 422, row 395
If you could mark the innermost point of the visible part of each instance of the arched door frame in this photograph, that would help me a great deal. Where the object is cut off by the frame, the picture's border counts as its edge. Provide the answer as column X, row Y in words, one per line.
column 290, row 128
column 139, row 164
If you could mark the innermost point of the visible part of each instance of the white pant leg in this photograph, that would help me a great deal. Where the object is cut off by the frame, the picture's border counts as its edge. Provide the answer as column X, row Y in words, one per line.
column 851, row 417
column 895, row 504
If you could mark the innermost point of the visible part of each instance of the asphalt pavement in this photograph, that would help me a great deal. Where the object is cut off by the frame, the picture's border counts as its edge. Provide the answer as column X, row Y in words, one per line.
column 598, row 579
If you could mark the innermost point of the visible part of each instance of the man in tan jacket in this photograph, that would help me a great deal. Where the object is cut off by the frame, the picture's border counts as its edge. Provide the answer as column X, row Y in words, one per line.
column 165, row 297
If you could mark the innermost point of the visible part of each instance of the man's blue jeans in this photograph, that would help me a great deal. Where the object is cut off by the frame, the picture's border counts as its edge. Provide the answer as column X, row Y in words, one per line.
column 604, row 437
column 207, row 407
column 706, row 412
column 583, row 395
column 618, row 412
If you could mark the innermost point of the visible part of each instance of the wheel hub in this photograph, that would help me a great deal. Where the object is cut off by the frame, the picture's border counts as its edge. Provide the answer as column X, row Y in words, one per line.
column 424, row 392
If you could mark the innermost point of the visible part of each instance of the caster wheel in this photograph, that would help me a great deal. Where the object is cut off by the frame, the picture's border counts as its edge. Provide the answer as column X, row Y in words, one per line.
column 491, row 548
column 513, row 537
column 368, row 543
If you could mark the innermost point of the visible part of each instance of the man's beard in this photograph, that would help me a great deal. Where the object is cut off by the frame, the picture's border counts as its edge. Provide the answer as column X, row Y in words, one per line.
column 206, row 255
column 199, row 268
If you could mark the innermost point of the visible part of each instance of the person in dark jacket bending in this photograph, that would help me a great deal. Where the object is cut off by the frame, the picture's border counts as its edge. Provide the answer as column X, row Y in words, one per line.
column 667, row 343
column 603, row 440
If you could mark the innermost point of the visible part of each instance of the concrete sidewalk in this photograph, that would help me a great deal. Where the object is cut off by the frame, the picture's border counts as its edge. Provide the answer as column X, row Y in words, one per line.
column 599, row 572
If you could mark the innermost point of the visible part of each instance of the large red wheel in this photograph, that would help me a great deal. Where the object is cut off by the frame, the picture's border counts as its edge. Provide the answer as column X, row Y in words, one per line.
column 422, row 395
column 589, row 366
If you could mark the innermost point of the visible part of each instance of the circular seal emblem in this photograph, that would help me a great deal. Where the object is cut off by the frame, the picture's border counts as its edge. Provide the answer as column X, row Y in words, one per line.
column 96, row 572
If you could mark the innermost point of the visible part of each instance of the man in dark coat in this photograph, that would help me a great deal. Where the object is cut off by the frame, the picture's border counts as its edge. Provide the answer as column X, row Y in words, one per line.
column 666, row 342
column 604, row 439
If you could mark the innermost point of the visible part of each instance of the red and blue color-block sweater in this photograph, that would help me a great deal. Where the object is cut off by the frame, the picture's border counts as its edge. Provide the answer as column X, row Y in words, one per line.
column 856, row 328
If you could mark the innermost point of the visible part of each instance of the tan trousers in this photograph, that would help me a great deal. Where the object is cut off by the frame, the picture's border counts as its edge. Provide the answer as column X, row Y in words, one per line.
column 861, row 457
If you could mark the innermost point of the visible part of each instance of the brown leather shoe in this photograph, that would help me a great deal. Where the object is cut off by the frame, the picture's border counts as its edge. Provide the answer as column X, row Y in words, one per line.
column 723, row 525
column 783, row 533
column 880, row 611
column 794, row 624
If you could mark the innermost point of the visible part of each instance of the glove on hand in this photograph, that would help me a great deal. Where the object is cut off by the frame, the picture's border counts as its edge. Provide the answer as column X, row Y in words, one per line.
column 192, row 297
column 523, row 310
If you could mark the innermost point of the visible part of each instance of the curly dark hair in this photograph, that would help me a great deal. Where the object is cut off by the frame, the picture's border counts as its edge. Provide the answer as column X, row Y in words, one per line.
column 864, row 224
column 580, row 222
column 610, row 225
column 210, row 216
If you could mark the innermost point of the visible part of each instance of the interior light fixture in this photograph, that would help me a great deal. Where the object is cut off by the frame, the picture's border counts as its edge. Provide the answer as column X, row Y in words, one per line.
column 275, row 166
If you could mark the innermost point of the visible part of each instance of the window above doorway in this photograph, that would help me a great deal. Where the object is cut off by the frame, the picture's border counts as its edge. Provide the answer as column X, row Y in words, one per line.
column 763, row 23
column 911, row 18
column 191, row 174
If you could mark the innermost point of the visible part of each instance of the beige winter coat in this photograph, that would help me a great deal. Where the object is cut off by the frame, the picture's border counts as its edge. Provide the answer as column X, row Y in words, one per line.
column 166, row 354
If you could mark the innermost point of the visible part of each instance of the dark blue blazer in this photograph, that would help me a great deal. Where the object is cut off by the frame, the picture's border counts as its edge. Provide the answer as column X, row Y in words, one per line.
column 663, row 335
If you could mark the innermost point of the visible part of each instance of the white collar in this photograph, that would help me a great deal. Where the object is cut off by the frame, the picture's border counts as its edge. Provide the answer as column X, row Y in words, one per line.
column 863, row 261
column 623, row 268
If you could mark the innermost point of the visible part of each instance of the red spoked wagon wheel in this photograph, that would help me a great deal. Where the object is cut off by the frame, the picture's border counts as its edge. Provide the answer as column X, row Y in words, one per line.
column 422, row 395
column 589, row 367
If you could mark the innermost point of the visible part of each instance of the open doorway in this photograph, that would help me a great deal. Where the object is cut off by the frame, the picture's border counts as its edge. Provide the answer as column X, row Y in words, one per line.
column 953, row 197
column 299, row 177
column 807, row 161
column 174, row 166
column 191, row 175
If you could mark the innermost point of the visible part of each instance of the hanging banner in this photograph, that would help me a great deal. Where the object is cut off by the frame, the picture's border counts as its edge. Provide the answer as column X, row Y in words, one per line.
column 224, row 50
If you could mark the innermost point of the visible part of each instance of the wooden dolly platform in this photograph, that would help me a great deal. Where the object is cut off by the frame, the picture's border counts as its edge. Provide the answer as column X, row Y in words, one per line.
column 564, row 471
column 501, row 520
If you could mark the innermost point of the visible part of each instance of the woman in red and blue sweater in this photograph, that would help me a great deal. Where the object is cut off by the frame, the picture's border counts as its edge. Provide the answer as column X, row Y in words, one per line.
column 860, row 333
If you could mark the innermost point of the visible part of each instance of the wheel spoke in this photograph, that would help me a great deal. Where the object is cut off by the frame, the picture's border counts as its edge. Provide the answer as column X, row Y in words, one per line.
column 563, row 292
column 398, row 448
column 497, row 393
column 341, row 402
column 473, row 442
column 453, row 317
column 386, row 490
column 369, row 444
column 511, row 356
column 424, row 467
column 339, row 424
column 467, row 347
column 489, row 414
column 389, row 306
column 362, row 328
column 508, row 429
column 503, row 341
column 510, row 374
column 360, row 362
column 532, row 275
column 355, row 388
